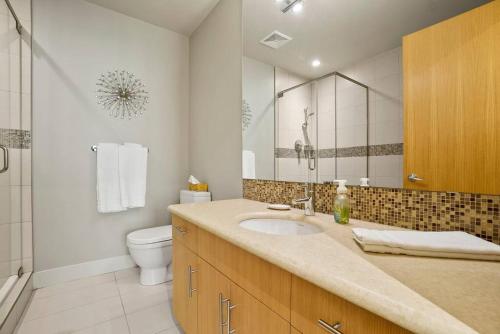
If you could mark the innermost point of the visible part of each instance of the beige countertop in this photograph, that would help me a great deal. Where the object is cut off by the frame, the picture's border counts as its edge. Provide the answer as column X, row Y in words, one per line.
column 423, row 295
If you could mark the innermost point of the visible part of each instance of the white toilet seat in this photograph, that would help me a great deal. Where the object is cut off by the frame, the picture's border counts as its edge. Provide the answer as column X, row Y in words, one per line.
column 147, row 246
column 150, row 235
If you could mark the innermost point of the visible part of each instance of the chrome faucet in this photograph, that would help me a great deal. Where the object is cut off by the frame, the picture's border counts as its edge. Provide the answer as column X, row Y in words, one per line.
column 307, row 200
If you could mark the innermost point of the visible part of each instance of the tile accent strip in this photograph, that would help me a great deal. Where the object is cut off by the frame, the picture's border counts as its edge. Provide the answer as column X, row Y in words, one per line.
column 344, row 152
column 413, row 209
column 13, row 138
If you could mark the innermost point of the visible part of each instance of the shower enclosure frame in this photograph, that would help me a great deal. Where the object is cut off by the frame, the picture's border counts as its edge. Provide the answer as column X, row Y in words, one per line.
column 336, row 74
column 17, row 287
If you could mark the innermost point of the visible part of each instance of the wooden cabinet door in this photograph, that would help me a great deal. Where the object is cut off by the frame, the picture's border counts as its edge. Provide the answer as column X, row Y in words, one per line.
column 213, row 288
column 185, row 296
column 452, row 103
column 312, row 305
column 250, row 316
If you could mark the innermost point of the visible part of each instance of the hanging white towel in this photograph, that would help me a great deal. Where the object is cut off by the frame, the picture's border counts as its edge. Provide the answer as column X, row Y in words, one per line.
column 248, row 159
column 454, row 244
column 108, row 181
column 133, row 174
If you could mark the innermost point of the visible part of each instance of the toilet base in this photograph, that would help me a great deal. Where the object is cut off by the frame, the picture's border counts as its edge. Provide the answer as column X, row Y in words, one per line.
column 153, row 276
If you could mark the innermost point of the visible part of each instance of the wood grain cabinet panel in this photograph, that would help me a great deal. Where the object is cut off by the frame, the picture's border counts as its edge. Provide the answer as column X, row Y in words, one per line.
column 226, row 288
column 212, row 285
column 185, row 297
column 452, row 103
column 250, row 316
column 266, row 282
column 310, row 304
column 206, row 246
column 185, row 232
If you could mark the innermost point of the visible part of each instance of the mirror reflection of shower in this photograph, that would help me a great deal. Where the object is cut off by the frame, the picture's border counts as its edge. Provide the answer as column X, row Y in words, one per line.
column 308, row 147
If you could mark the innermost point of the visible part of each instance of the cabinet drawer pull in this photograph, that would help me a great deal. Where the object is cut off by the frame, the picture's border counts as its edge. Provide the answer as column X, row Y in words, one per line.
column 333, row 329
column 5, row 159
column 414, row 178
column 190, row 273
column 229, row 307
column 222, row 323
column 181, row 230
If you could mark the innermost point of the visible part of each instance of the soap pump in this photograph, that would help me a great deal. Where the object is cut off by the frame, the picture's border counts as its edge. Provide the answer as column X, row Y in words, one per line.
column 341, row 203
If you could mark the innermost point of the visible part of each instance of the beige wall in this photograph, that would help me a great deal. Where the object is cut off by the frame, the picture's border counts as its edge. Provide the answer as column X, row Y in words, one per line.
column 215, row 100
column 74, row 42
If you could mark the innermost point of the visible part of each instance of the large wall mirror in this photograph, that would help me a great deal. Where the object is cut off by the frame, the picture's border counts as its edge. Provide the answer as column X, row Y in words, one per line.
column 323, row 87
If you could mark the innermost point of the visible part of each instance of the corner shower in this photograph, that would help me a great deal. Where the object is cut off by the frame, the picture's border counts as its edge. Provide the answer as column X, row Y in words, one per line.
column 322, row 130
column 15, row 160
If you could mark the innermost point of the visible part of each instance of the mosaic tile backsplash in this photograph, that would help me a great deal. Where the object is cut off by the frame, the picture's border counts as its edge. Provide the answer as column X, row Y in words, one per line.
column 13, row 138
column 418, row 210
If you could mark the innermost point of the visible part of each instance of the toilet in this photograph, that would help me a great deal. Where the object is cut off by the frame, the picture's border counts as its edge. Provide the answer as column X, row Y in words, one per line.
column 151, row 248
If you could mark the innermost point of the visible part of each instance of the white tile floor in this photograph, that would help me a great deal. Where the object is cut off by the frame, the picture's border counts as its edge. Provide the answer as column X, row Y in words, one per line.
column 113, row 303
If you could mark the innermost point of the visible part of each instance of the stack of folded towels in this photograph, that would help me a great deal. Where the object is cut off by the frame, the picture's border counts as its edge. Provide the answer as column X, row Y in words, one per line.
column 121, row 176
column 434, row 244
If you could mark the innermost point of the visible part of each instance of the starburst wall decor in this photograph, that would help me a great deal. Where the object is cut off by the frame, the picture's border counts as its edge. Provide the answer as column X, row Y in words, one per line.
column 122, row 94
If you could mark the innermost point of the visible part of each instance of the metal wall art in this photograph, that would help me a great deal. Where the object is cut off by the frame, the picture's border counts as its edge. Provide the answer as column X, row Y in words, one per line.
column 122, row 94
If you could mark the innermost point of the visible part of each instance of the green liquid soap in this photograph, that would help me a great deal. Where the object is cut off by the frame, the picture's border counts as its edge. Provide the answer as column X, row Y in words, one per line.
column 341, row 207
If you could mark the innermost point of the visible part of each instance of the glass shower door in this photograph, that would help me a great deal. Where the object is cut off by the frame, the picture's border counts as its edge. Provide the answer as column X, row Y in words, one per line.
column 296, row 135
column 10, row 152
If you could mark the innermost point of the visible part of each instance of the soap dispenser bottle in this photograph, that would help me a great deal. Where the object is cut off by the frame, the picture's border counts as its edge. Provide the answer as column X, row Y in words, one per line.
column 341, row 204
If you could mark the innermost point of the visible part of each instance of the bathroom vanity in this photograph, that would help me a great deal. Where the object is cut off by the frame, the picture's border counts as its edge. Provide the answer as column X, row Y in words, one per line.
column 228, row 279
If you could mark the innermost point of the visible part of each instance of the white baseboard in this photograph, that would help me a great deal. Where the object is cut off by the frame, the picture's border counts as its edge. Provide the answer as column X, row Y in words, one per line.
column 86, row 269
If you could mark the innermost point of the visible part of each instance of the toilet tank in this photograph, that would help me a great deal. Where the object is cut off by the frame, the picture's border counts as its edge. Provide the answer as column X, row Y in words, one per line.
column 188, row 196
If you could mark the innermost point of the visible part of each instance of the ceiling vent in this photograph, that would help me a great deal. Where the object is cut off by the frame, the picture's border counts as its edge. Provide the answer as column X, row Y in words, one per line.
column 275, row 40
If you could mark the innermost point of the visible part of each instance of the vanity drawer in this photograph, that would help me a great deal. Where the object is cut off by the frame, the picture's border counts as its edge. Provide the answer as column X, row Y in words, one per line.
column 185, row 232
column 310, row 305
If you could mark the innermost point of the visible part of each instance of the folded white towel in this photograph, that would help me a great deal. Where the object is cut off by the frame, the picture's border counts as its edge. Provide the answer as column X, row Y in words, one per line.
column 133, row 174
column 108, row 181
column 437, row 244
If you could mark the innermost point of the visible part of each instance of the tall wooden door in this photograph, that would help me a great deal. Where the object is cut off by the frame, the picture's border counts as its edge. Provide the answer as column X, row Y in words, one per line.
column 452, row 103
column 213, row 290
column 185, row 294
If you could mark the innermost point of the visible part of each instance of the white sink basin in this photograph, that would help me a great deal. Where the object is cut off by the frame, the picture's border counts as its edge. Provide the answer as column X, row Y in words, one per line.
column 279, row 226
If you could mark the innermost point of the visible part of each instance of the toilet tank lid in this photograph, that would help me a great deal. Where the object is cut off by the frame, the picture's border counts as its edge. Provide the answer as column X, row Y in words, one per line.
column 195, row 193
column 150, row 235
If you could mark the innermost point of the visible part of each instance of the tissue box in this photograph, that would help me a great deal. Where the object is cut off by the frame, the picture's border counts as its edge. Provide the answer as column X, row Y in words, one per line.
column 198, row 187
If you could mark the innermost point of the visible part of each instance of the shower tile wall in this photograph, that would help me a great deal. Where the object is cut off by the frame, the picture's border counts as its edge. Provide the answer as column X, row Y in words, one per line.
column 289, row 119
column 351, row 131
column 383, row 74
column 15, row 127
column 326, row 129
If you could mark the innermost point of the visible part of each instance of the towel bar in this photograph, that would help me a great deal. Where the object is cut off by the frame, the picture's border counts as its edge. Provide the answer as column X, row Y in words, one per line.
column 94, row 148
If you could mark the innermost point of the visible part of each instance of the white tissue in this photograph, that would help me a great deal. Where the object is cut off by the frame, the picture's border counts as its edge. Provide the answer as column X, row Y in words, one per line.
column 193, row 180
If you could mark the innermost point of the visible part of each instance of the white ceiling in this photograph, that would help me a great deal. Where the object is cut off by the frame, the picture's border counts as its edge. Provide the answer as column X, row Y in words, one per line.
column 339, row 32
column 182, row 16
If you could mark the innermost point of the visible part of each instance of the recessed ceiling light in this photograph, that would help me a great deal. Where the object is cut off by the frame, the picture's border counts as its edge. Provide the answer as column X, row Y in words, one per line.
column 298, row 7
column 315, row 63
